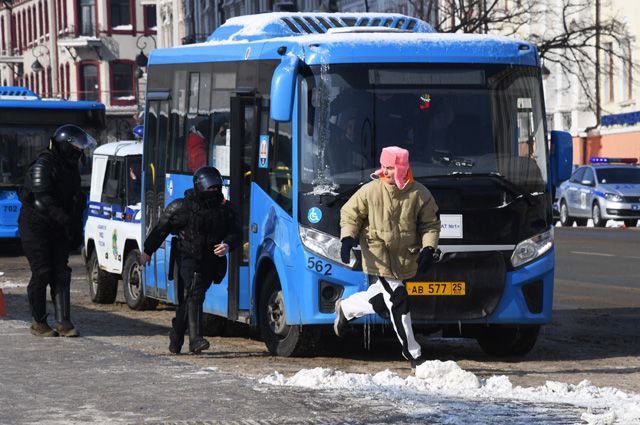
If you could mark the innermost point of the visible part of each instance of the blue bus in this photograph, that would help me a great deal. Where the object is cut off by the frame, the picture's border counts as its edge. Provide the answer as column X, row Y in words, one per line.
column 294, row 110
column 26, row 124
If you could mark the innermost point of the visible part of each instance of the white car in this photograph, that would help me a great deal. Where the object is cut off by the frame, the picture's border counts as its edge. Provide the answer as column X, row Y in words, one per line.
column 112, row 234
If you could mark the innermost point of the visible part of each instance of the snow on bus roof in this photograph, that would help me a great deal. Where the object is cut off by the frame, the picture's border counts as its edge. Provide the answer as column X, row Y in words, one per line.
column 282, row 24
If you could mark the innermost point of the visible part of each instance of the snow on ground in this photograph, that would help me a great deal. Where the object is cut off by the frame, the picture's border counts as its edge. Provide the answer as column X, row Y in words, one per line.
column 6, row 284
column 467, row 394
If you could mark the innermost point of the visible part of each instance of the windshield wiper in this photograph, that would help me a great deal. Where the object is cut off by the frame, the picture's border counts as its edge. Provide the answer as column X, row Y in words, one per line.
column 501, row 180
column 344, row 194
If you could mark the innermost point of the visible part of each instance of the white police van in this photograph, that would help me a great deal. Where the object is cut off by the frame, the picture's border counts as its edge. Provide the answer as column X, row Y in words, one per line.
column 112, row 236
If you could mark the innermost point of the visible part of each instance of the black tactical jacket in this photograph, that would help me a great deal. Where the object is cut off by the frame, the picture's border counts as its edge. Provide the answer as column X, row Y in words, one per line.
column 200, row 226
column 52, row 196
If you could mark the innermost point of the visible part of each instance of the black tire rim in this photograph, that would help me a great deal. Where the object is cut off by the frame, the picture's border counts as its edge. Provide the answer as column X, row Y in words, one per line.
column 133, row 281
column 275, row 314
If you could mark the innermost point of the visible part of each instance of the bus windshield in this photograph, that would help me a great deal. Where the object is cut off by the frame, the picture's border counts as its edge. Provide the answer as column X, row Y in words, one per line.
column 20, row 142
column 458, row 119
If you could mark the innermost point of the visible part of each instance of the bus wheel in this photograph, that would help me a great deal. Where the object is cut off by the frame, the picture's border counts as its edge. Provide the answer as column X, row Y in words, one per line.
column 103, row 286
column 132, row 283
column 281, row 339
column 502, row 341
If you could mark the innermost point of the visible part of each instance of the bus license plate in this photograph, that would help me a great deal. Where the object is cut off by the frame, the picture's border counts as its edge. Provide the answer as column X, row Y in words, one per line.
column 436, row 288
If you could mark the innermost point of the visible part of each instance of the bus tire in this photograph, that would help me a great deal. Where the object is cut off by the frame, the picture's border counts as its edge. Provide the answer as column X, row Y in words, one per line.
column 132, row 283
column 213, row 325
column 503, row 341
column 281, row 339
column 103, row 286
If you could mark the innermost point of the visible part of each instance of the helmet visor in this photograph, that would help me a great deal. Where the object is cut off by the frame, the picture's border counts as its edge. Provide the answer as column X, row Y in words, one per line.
column 77, row 137
column 206, row 181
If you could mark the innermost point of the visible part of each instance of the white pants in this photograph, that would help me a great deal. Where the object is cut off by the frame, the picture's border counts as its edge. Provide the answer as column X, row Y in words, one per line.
column 360, row 304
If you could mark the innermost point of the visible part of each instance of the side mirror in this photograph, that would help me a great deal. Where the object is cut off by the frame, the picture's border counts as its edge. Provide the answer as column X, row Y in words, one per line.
column 283, row 86
column 561, row 156
column 587, row 183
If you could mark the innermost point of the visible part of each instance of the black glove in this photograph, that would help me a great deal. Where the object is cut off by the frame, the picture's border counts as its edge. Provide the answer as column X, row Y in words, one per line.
column 345, row 251
column 425, row 259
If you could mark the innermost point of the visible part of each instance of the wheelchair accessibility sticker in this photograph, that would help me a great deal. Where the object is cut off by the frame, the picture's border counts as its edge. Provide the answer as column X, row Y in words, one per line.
column 314, row 215
column 263, row 152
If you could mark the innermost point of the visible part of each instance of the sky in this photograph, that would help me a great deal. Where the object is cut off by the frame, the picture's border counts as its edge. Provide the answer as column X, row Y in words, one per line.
column 442, row 392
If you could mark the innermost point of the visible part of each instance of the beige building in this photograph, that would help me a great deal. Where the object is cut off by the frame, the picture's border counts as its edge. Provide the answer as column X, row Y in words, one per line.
column 79, row 50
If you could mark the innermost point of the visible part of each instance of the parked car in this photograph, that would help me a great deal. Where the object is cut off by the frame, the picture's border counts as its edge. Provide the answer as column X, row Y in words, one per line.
column 112, row 231
column 606, row 189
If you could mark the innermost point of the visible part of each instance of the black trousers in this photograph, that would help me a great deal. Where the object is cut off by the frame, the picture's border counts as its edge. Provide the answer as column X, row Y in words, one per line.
column 193, row 283
column 47, row 250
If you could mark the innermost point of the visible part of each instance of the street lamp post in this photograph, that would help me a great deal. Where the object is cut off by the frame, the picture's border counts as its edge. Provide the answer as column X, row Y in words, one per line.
column 141, row 62
column 38, row 52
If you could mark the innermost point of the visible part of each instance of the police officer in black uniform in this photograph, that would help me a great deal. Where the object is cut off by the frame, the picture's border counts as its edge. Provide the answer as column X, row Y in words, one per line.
column 207, row 227
column 50, row 225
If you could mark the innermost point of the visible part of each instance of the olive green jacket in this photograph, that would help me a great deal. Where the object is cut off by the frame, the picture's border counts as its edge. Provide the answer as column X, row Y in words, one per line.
column 392, row 226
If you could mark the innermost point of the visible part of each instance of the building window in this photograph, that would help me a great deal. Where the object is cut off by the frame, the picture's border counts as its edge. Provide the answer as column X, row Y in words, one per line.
column 150, row 21
column 627, row 70
column 122, row 83
column 608, row 72
column 120, row 15
column 550, row 122
column 87, row 17
column 89, row 83
column 566, row 121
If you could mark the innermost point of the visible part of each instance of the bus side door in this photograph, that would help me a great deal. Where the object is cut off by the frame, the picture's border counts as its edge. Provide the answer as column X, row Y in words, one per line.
column 156, row 137
column 245, row 112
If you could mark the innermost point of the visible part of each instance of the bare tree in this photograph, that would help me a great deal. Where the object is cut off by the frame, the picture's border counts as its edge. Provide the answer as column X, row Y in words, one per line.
column 570, row 33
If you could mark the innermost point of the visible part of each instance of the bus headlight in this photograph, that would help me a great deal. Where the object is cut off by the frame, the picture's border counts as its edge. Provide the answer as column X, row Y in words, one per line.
column 323, row 244
column 532, row 248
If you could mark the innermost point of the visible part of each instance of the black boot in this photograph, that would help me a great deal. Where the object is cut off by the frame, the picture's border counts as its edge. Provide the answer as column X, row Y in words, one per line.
column 176, row 337
column 41, row 327
column 62, row 303
column 197, row 343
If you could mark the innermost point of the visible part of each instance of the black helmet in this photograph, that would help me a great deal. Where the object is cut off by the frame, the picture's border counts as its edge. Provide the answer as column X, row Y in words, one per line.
column 71, row 142
column 206, row 177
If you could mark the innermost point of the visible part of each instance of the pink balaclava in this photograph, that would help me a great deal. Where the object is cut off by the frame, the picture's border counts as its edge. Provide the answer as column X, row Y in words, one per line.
column 393, row 156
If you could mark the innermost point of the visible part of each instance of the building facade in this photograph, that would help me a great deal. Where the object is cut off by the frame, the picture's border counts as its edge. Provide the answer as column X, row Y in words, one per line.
column 80, row 50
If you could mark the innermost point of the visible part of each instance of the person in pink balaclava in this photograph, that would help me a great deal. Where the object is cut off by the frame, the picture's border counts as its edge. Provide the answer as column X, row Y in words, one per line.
column 395, row 220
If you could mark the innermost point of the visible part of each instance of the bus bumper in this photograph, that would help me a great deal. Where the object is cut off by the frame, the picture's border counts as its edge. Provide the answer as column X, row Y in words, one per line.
column 7, row 232
column 526, row 299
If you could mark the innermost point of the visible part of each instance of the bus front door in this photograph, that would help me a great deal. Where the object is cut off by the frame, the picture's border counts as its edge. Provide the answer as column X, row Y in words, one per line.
column 157, row 133
column 245, row 113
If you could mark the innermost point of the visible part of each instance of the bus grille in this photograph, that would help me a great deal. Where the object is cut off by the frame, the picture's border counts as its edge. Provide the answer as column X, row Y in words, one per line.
column 484, row 276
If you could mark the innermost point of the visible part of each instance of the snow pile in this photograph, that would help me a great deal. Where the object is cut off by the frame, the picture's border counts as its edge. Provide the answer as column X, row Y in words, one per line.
column 446, row 379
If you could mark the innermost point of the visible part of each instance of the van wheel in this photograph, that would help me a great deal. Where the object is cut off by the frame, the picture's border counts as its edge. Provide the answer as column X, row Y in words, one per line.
column 565, row 220
column 281, row 339
column 631, row 223
column 502, row 341
column 596, row 215
column 132, row 283
column 103, row 286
